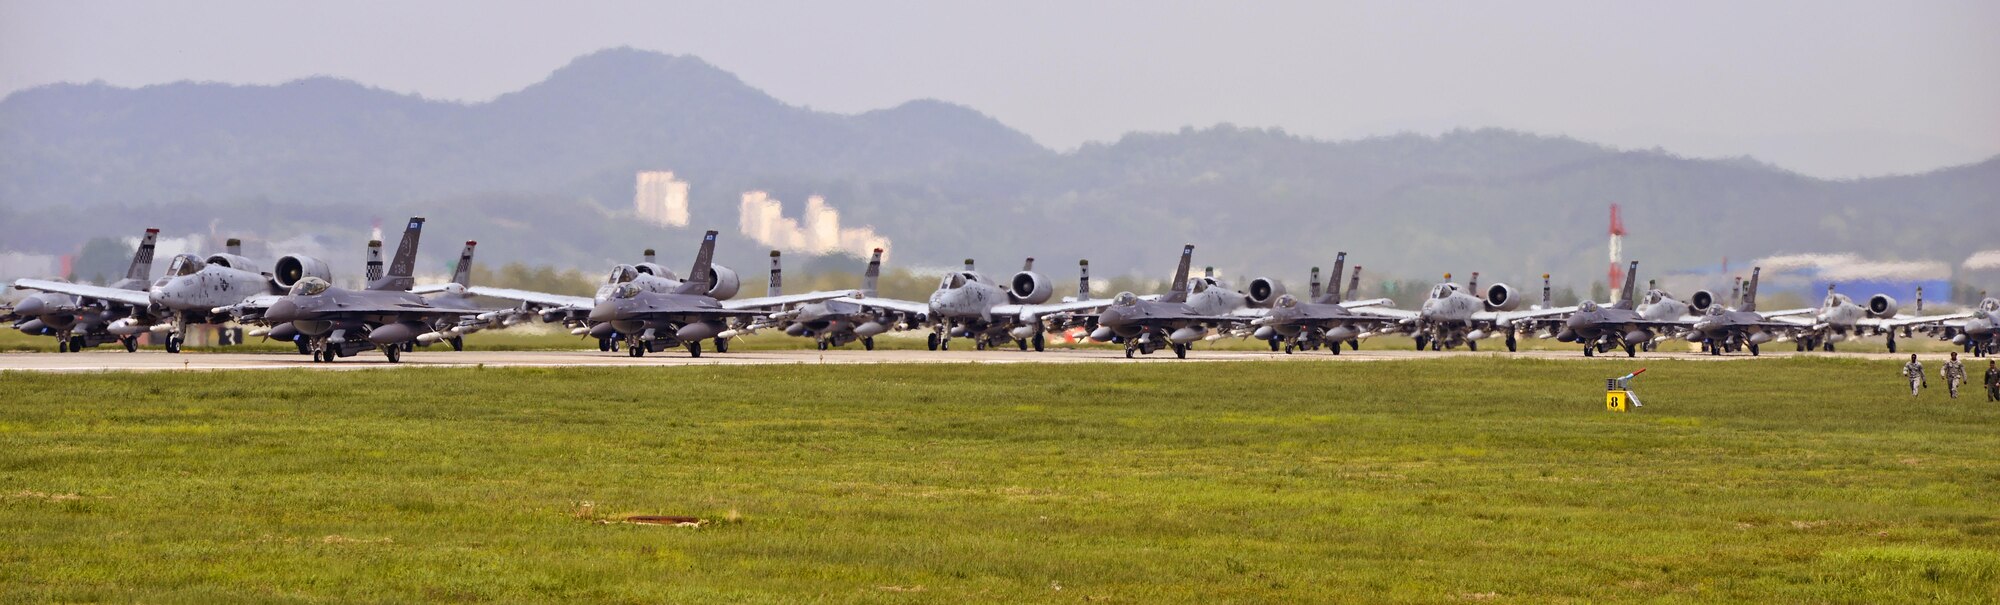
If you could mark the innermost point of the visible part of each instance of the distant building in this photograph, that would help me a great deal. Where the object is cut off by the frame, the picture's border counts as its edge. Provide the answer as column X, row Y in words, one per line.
column 661, row 199
column 762, row 218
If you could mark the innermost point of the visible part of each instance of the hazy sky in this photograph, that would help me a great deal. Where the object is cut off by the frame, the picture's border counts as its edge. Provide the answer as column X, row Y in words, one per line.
column 1826, row 88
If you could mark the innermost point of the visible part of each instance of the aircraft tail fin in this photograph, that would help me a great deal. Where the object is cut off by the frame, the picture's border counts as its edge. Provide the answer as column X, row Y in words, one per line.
column 233, row 246
column 1178, row 290
column 461, row 273
column 374, row 271
column 777, row 286
column 968, row 265
column 1028, row 265
column 1314, row 282
column 1628, row 294
column 1333, row 294
column 702, row 275
column 873, row 275
column 1750, row 290
column 402, row 269
column 1473, row 286
column 1548, row 301
column 1083, row 279
column 1354, row 284
column 142, row 259
column 1920, row 300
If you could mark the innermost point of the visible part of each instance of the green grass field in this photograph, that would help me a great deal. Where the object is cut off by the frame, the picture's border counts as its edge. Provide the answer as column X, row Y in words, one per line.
column 1446, row 480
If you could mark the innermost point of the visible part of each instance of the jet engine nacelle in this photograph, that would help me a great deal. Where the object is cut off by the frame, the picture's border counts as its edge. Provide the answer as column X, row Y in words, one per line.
column 1881, row 305
column 1502, row 297
column 1700, row 302
column 1030, row 288
column 293, row 268
column 232, row 261
column 722, row 282
column 1264, row 291
column 656, row 270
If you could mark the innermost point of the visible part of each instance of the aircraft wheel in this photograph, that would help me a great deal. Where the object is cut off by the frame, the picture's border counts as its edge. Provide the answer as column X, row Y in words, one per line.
column 62, row 345
column 1288, row 347
column 131, row 343
column 1274, row 346
column 933, row 341
column 1590, row 350
column 694, row 348
column 604, row 345
column 822, row 345
column 1128, row 351
column 173, row 343
column 1753, row 350
column 458, row 343
column 1472, row 345
column 1352, row 344
column 305, row 347
column 635, row 351
column 1512, row 345
column 1180, row 350
column 1631, row 351
column 1039, row 342
column 722, row 345
column 1336, row 348
column 1023, row 342
column 394, row 353
column 1421, row 341
column 1829, row 347
column 868, row 343
column 978, row 344
column 1437, row 345
column 1892, row 343
column 326, row 355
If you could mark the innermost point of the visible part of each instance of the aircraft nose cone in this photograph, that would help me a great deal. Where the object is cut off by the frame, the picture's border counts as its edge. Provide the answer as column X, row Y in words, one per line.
column 604, row 311
column 282, row 311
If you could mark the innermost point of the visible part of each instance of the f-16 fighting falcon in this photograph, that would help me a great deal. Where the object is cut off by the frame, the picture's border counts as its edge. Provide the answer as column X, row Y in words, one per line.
column 1599, row 328
column 836, row 322
column 338, row 322
column 77, row 322
column 1838, row 319
column 1453, row 316
column 653, row 321
column 1144, row 326
column 195, row 291
column 1975, row 330
column 1728, row 329
column 456, row 295
column 1323, row 321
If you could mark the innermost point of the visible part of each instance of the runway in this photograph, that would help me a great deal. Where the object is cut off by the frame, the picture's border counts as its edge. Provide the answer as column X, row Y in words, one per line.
column 146, row 360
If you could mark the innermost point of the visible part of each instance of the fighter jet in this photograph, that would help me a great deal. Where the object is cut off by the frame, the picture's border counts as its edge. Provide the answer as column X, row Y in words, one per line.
column 1726, row 329
column 1452, row 315
column 1144, row 326
column 653, row 321
column 836, row 322
column 457, row 295
column 338, row 322
column 1599, row 328
column 1838, row 318
column 1323, row 321
column 78, row 322
column 195, row 291
column 968, row 304
column 1974, row 330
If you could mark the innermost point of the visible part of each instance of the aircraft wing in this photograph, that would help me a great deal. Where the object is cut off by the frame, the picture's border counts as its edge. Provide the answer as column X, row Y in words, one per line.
column 428, row 288
column 527, row 296
column 1249, row 312
column 136, row 298
column 1898, row 322
column 1790, row 312
column 1367, row 302
column 1385, row 312
column 1508, row 317
column 787, row 299
column 1051, row 308
column 900, row 306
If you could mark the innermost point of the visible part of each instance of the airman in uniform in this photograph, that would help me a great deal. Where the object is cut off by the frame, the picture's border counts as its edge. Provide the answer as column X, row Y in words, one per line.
column 1954, row 374
column 1914, row 371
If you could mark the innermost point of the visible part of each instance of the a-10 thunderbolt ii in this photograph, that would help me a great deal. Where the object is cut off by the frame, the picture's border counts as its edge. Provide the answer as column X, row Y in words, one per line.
column 78, row 322
column 574, row 312
column 195, row 291
column 1452, row 315
column 653, row 321
column 839, row 321
column 1323, row 321
column 1838, row 318
column 1144, row 326
column 968, row 304
column 339, row 322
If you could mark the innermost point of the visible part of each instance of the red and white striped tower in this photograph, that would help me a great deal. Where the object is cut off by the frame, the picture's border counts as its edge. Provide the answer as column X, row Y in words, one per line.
column 1616, row 277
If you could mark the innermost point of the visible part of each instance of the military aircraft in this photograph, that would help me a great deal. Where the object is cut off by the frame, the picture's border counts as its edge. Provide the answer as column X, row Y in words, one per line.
column 1600, row 328
column 839, row 321
column 78, row 322
column 1143, row 326
column 1838, row 318
column 1976, row 330
column 1725, row 329
column 457, row 295
column 652, row 321
column 1323, row 321
column 195, row 291
column 968, row 304
column 339, row 322
column 1452, row 316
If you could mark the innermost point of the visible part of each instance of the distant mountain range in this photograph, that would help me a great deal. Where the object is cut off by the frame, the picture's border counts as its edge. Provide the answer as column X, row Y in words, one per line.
column 545, row 174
